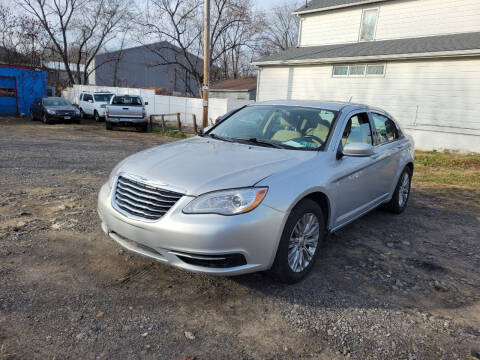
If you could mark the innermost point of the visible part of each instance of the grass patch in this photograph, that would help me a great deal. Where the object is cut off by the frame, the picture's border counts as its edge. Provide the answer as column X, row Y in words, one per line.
column 171, row 132
column 446, row 168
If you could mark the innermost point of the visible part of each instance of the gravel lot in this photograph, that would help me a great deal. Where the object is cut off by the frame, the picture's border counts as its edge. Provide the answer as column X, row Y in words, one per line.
column 387, row 287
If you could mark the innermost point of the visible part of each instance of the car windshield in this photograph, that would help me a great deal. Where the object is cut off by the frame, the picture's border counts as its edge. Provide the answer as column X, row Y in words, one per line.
column 288, row 127
column 102, row 97
column 56, row 102
column 127, row 100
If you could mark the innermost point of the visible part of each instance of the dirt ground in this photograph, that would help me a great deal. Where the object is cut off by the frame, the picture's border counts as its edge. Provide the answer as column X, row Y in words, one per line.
column 386, row 287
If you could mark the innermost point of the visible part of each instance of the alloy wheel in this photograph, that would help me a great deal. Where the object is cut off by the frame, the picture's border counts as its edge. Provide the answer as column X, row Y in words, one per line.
column 303, row 242
column 404, row 189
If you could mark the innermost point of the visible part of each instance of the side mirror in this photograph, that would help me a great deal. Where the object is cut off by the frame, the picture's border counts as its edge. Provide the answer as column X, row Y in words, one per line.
column 146, row 102
column 358, row 150
column 90, row 101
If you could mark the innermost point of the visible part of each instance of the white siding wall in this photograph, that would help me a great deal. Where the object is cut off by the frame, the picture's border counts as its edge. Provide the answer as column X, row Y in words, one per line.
column 396, row 19
column 439, row 95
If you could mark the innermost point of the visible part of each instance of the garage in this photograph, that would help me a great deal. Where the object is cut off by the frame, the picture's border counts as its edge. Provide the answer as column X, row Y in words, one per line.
column 19, row 86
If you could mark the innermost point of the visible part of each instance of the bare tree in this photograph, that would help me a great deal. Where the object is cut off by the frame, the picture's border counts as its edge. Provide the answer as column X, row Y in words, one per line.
column 178, row 24
column 78, row 29
column 22, row 40
column 280, row 29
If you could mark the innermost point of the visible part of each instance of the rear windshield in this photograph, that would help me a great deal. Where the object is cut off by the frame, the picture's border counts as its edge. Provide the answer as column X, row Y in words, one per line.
column 102, row 97
column 127, row 100
column 55, row 102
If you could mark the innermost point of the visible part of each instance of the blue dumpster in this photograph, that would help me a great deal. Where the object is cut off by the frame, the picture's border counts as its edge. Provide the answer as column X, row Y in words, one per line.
column 19, row 86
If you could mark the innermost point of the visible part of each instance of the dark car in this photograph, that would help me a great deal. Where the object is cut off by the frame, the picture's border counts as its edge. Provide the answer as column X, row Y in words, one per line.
column 54, row 109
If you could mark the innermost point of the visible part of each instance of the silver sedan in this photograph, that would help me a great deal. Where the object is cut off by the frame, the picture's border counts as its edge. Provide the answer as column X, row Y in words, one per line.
column 260, row 190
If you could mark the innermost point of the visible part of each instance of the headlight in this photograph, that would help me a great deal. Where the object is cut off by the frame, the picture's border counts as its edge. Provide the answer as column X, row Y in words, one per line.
column 51, row 112
column 77, row 112
column 227, row 202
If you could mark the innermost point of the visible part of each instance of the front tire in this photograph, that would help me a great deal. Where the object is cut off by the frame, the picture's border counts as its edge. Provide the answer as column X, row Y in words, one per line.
column 401, row 195
column 302, row 237
column 82, row 114
column 45, row 119
column 96, row 116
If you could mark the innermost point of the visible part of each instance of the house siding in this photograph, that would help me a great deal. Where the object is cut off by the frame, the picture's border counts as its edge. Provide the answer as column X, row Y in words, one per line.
column 397, row 19
column 439, row 95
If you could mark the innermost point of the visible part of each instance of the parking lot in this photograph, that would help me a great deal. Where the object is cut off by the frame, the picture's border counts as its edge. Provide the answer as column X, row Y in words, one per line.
column 386, row 287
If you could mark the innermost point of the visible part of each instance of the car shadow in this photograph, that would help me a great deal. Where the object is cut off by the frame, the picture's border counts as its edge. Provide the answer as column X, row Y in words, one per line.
column 424, row 258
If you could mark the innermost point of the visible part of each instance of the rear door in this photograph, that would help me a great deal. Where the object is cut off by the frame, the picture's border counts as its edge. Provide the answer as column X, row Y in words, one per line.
column 387, row 150
column 8, row 96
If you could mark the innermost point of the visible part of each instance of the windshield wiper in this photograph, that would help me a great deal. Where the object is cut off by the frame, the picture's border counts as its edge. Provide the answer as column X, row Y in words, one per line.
column 216, row 137
column 261, row 142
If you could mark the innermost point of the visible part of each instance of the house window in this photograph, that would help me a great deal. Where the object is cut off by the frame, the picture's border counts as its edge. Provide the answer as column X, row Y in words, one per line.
column 376, row 70
column 368, row 25
column 340, row 70
column 359, row 70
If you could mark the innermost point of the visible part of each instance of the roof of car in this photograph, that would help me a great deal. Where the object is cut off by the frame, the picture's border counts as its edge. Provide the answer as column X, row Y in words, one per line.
column 325, row 105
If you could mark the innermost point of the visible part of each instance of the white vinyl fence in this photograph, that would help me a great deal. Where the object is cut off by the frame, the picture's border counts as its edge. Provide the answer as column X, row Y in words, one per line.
column 161, row 104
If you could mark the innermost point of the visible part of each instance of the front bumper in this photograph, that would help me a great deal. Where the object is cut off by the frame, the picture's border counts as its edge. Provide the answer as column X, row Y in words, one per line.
column 59, row 118
column 254, row 235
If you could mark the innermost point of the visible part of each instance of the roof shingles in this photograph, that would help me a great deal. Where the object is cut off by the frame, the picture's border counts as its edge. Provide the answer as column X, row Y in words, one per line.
column 329, row 4
column 398, row 47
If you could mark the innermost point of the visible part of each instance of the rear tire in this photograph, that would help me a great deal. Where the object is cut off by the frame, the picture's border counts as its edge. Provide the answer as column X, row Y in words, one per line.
column 401, row 194
column 303, row 236
column 143, row 127
column 108, row 125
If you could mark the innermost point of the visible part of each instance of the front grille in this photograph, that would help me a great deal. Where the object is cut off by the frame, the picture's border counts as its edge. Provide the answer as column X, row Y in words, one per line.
column 143, row 201
column 65, row 112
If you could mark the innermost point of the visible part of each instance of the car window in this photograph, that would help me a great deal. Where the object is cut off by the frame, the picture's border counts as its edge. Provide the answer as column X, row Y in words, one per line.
column 56, row 102
column 81, row 97
column 127, row 100
column 288, row 126
column 102, row 97
column 386, row 130
column 357, row 130
column 87, row 97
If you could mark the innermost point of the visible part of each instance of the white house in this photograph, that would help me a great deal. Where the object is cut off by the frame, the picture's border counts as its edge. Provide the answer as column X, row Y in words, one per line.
column 417, row 59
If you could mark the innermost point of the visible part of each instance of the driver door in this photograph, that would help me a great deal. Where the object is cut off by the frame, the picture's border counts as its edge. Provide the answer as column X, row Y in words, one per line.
column 356, row 178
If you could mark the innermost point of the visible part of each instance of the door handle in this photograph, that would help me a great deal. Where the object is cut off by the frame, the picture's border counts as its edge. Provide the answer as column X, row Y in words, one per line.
column 124, row 108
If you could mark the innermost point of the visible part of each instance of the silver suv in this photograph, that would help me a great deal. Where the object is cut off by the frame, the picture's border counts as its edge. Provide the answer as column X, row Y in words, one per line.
column 261, row 189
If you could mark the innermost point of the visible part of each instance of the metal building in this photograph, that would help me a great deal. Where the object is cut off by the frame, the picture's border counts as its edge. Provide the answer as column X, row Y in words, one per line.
column 19, row 86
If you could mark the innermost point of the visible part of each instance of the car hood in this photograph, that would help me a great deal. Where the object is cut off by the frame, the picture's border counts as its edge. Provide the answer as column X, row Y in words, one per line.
column 199, row 165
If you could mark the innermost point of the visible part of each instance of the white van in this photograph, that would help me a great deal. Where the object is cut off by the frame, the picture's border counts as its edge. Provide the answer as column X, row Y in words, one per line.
column 93, row 104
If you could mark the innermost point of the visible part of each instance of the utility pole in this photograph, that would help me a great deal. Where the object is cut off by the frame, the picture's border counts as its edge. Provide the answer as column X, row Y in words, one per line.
column 206, row 61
